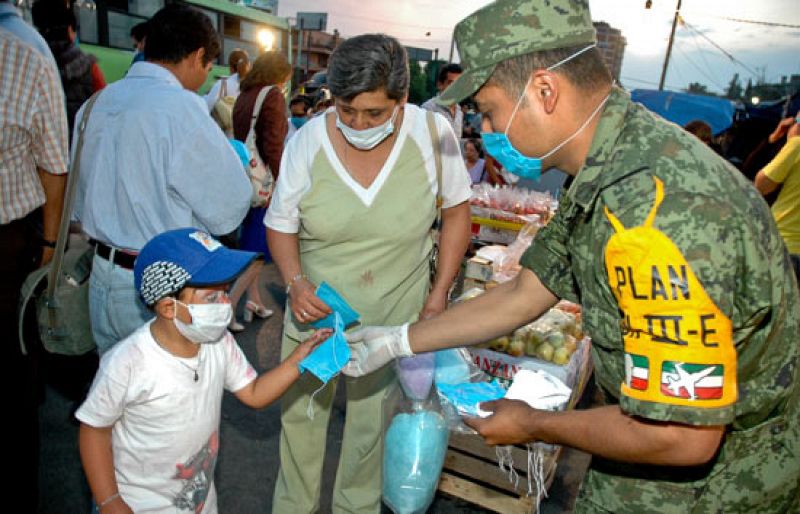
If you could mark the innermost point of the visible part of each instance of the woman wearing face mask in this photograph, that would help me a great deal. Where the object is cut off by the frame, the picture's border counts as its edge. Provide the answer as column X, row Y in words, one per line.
column 353, row 206
column 270, row 69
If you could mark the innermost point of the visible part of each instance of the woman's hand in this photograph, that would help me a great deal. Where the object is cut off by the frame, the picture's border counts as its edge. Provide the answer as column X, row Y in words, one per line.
column 306, row 305
column 434, row 305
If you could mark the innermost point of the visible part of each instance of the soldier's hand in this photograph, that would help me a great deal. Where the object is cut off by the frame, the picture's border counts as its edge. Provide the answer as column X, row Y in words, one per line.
column 510, row 422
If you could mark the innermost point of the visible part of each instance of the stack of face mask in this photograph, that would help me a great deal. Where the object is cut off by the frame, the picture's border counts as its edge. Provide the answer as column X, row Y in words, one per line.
column 330, row 357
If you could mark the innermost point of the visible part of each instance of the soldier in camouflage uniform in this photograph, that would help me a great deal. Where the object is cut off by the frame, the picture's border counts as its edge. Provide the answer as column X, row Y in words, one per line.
column 686, row 287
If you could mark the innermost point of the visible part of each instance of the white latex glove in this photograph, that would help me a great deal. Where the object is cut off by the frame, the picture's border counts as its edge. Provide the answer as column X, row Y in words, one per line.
column 372, row 348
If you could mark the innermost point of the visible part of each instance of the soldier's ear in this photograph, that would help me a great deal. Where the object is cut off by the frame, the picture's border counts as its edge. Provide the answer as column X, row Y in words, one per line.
column 545, row 89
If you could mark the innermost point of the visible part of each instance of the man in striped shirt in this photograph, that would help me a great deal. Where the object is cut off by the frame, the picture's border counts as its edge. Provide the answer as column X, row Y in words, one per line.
column 33, row 167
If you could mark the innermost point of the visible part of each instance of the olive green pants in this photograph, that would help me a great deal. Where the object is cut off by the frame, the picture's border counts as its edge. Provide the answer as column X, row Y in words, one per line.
column 302, row 443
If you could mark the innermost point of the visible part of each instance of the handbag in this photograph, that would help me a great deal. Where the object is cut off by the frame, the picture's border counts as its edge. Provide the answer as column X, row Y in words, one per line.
column 433, row 258
column 260, row 176
column 62, row 310
column 222, row 112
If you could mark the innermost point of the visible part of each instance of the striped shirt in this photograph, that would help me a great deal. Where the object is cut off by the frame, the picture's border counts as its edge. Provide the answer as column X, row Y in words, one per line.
column 33, row 126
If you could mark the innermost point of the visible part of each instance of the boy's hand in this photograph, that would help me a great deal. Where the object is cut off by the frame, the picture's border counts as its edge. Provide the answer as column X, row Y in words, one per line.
column 309, row 345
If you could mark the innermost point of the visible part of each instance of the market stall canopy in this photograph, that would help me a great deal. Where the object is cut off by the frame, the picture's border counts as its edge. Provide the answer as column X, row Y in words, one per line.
column 681, row 108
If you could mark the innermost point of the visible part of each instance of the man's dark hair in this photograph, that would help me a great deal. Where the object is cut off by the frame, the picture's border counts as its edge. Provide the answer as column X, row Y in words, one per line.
column 300, row 100
column 53, row 19
column 139, row 31
column 586, row 71
column 178, row 30
column 447, row 69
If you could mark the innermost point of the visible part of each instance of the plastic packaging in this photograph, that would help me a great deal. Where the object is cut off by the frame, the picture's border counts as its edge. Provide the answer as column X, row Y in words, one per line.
column 414, row 449
column 416, row 375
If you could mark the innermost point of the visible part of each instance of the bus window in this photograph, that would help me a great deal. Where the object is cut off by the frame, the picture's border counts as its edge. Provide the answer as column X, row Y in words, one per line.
column 119, row 29
column 145, row 7
column 87, row 25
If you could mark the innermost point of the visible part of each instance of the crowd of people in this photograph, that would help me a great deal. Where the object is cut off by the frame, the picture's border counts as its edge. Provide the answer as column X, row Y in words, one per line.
column 677, row 260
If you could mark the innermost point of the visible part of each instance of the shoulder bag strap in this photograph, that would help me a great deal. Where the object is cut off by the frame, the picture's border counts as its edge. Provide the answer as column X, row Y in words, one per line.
column 69, row 197
column 257, row 108
column 223, row 91
column 437, row 155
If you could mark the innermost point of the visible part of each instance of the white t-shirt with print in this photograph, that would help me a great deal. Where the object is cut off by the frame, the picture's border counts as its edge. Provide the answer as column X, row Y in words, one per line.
column 294, row 179
column 165, row 438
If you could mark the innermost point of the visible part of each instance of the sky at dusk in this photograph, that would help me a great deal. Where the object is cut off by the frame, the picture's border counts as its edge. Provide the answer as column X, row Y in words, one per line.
column 759, row 50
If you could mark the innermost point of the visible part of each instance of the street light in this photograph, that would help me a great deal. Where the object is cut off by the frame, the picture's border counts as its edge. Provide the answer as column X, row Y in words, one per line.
column 266, row 39
column 755, row 100
column 647, row 5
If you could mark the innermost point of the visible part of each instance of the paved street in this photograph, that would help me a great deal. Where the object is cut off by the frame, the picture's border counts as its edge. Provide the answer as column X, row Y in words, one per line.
column 248, row 460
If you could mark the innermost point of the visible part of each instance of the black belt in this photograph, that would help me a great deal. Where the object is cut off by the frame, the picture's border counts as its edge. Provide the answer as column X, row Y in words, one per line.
column 111, row 254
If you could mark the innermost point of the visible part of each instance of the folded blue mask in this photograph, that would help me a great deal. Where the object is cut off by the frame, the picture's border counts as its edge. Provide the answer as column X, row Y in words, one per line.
column 329, row 357
column 466, row 398
column 337, row 304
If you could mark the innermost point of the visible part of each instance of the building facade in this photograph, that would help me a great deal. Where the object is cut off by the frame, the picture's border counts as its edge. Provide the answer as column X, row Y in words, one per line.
column 611, row 44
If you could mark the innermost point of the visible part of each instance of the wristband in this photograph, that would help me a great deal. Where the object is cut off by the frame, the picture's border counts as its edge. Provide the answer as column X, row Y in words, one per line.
column 107, row 500
column 293, row 280
column 48, row 243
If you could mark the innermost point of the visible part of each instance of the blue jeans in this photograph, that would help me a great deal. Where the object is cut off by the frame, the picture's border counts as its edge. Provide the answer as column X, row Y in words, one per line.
column 115, row 308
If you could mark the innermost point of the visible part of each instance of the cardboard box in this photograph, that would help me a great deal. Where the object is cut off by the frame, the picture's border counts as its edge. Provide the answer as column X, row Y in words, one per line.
column 479, row 268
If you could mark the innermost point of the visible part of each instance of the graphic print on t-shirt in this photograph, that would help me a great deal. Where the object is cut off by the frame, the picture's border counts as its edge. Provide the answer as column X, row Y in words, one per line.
column 197, row 474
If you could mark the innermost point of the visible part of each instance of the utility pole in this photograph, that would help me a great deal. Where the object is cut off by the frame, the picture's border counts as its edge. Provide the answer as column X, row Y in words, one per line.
column 669, row 46
column 300, row 77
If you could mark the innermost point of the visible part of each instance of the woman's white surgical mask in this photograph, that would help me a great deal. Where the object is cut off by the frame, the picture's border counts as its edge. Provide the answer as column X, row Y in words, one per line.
column 209, row 321
column 367, row 139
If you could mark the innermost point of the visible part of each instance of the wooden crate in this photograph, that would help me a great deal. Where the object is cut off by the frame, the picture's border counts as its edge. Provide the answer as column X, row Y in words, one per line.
column 471, row 473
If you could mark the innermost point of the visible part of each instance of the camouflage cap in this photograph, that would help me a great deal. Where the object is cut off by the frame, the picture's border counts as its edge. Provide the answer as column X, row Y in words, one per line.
column 508, row 28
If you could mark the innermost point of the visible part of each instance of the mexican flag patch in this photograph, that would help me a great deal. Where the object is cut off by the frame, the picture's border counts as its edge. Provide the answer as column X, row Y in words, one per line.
column 692, row 381
column 637, row 371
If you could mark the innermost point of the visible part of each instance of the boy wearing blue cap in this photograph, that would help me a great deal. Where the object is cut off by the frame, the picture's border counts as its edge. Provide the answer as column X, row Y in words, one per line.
column 150, row 424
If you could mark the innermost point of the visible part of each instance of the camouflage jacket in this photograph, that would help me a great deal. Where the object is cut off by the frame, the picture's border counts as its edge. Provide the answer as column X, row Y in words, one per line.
column 688, row 294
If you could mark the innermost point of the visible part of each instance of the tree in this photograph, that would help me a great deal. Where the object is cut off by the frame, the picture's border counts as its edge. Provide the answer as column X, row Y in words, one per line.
column 748, row 91
column 734, row 91
column 699, row 89
column 417, row 90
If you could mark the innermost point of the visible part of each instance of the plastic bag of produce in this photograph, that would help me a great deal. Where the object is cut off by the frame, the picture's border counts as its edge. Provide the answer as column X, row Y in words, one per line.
column 414, row 448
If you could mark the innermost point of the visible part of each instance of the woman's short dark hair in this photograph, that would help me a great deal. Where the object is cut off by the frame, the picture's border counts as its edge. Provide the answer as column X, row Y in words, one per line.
column 369, row 62
column 176, row 31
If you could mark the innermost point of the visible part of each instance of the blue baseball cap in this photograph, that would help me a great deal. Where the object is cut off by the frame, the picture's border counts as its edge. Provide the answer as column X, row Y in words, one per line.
column 185, row 257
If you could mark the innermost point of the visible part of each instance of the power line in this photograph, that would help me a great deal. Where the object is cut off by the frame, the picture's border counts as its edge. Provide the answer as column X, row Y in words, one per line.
column 649, row 82
column 727, row 54
column 698, row 68
column 756, row 22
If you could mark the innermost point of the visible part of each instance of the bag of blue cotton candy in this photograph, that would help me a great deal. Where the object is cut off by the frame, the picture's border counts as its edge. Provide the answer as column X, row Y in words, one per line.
column 414, row 451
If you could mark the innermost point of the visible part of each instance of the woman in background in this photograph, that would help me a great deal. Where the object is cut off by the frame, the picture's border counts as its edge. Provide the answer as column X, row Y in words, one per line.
column 272, row 70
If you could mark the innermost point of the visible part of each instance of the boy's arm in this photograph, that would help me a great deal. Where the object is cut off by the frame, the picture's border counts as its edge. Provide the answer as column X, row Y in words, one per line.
column 271, row 385
column 98, row 463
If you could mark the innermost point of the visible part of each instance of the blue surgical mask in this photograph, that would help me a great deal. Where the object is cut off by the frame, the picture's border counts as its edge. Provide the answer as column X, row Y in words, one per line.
column 367, row 139
column 499, row 146
column 298, row 121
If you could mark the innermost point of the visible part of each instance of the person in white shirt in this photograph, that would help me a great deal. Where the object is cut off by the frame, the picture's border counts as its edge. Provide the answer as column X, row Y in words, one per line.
column 149, row 435
column 446, row 76
column 239, row 65
column 153, row 160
